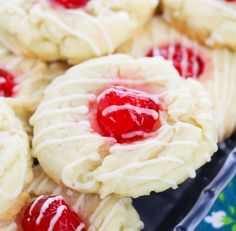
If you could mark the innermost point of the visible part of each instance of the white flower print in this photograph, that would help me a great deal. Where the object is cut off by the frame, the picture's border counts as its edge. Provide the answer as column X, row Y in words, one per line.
column 216, row 219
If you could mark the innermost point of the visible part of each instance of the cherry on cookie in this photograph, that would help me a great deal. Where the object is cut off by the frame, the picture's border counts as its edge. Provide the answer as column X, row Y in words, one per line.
column 71, row 4
column 51, row 213
column 7, row 83
column 186, row 61
column 126, row 114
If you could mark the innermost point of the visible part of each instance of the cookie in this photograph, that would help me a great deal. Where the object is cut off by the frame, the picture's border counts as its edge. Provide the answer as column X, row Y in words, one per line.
column 22, row 82
column 8, row 225
column 116, row 125
column 211, row 22
column 15, row 164
column 70, row 30
column 111, row 213
column 215, row 69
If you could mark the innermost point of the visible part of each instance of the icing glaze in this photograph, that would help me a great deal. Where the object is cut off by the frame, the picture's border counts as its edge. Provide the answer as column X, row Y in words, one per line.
column 102, row 213
column 50, row 213
column 174, row 145
column 217, row 75
column 93, row 24
column 14, row 168
column 125, row 114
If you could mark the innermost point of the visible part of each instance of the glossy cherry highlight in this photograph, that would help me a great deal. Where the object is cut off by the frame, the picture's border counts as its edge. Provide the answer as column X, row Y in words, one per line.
column 187, row 62
column 51, row 213
column 71, row 4
column 127, row 115
column 7, row 83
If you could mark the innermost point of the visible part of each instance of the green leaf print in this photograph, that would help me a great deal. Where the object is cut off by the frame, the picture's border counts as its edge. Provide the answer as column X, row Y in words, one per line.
column 227, row 220
column 222, row 197
column 234, row 228
column 232, row 210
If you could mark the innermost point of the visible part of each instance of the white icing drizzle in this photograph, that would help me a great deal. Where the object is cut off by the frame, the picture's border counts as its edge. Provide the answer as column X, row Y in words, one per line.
column 91, row 179
column 120, row 173
column 131, row 92
column 45, row 206
column 34, row 204
column 78, row 34
column 80, row 227
column 14, row 62
column 78, row 202
column 13, row 130
column 59, row 141
column 57, row 216
column 100, row 26
column 133, row 134
column 111, row 214
column 94, row 218
column 96, row 81
column 66, row 99
column 224, row 90
column 25, row 79
column 184, row 61
column 51, row 128
column 99, row 208
column 77, row 110
column 220, row 65
column 75, row 163
column 138, row 110
column 186, row 44
column 195, row 63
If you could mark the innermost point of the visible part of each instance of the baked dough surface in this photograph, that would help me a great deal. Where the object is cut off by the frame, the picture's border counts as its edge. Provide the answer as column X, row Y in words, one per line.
column 81, row 158
column 218, row 75
column 211, row 22
column 15, row 163
column 39, row 29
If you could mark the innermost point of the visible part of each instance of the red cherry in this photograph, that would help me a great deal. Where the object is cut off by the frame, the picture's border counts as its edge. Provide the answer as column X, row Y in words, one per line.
column 185, row 60
column 126, row 114
column 50, row 213
column 71, row 4
column 7, row 83
column 230, row 0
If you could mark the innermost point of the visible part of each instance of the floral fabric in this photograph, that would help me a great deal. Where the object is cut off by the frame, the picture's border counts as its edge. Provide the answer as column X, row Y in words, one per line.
column 222, row 216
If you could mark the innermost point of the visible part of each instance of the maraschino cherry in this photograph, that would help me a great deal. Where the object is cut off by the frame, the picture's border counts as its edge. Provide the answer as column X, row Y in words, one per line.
column 7, row 83
column 127, row 115
column 71, row 4
column 50, row 213
column 185, row 60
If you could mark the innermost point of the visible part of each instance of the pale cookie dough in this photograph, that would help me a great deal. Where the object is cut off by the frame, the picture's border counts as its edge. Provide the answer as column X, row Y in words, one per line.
column 111, row 213
column 8, row 225
column 86, row 161
column 218, row 66
column 49, row 32
column 212, row 22
column 15, row 164
column 30, row 78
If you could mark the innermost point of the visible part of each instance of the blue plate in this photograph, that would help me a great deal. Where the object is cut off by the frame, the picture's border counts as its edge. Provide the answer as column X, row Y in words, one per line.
column 183, row 209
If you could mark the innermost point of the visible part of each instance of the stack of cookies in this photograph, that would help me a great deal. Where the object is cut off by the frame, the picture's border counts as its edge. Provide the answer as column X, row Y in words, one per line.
column 102, row 101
